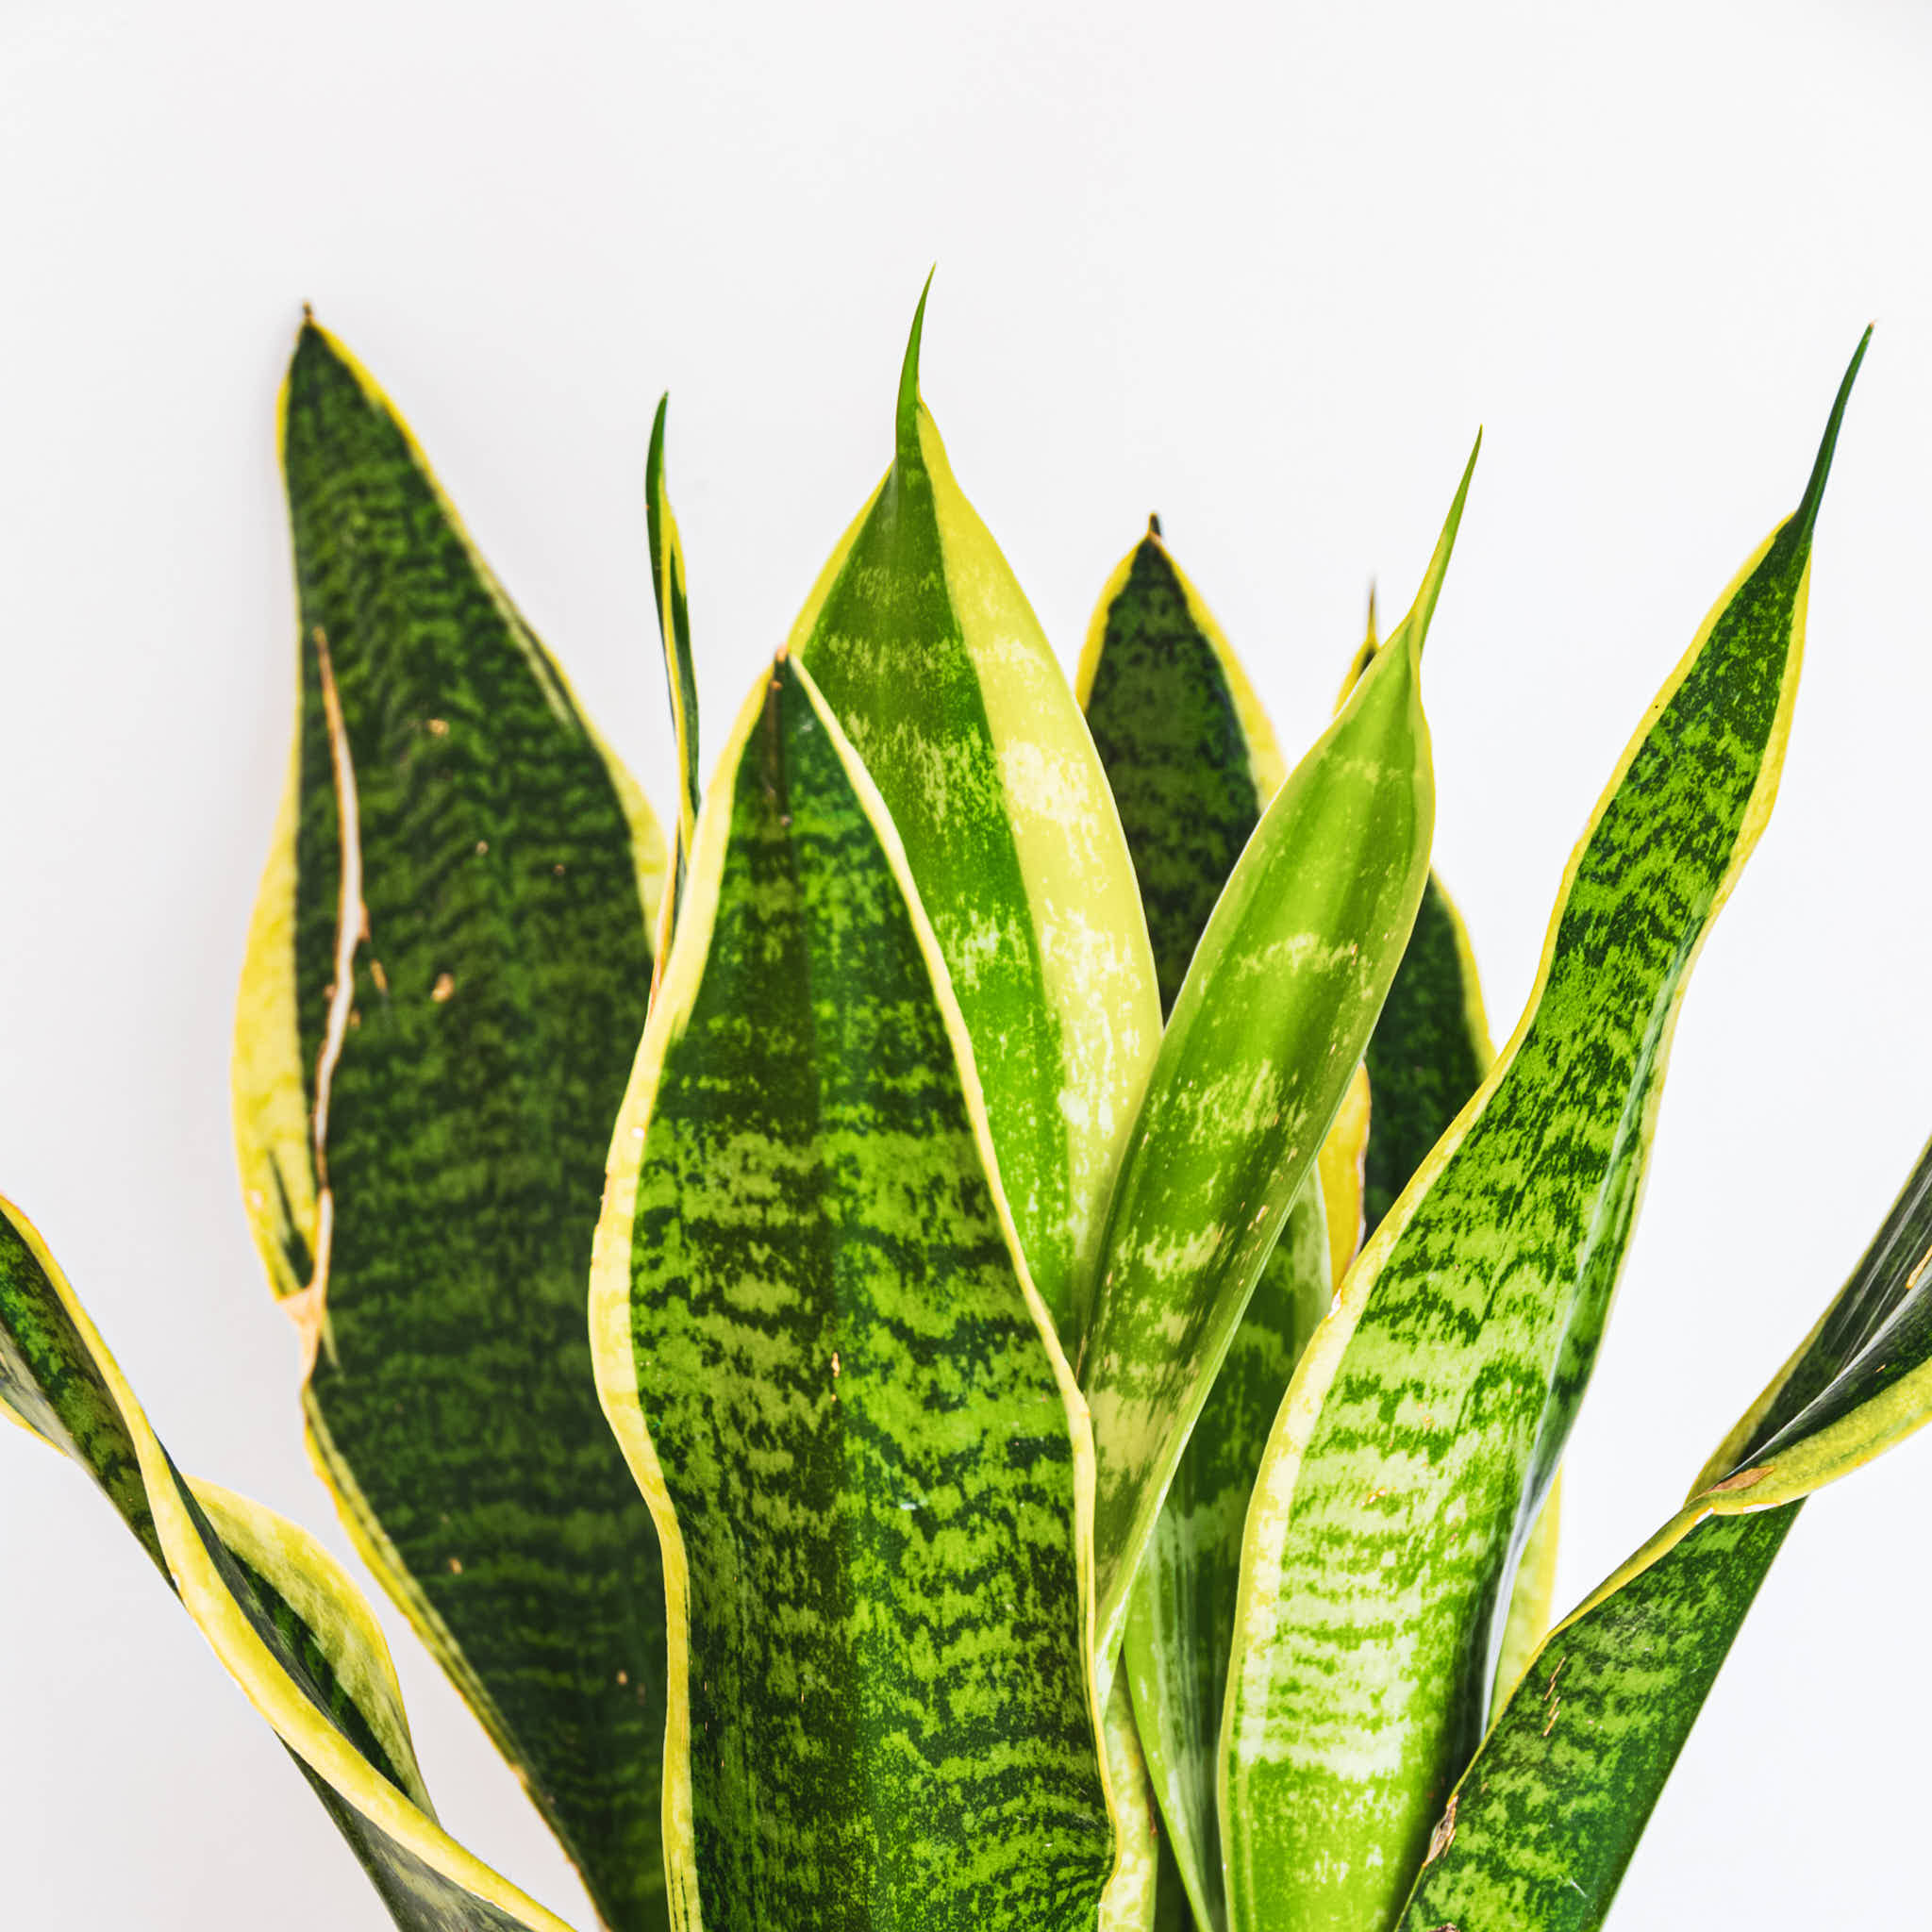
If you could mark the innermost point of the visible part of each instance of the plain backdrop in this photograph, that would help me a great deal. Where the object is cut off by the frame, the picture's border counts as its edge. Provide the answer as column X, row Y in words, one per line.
column 1262, row 270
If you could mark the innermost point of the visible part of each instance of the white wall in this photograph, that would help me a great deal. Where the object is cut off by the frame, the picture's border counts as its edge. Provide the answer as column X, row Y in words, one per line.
column 1264, row 270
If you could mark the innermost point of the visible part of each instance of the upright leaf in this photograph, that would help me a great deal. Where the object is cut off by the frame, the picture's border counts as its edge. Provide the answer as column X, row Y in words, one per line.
column 1189, row 753
column 818, row 1342
column 1192, row 763
column 673, row 630
column 935, row 665
column 1431, row 1046
column 277, row 1610
column 1259, row 1052
column 1541, row 1827
column 1180, row 1619
column 446, row 976
column 1428, row 1413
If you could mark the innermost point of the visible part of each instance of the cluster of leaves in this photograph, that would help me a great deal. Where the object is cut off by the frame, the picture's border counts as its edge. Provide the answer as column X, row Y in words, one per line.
column 1082, row 1326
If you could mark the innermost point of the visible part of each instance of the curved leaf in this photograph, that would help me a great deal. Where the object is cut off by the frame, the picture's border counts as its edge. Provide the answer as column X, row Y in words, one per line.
column 822, row 1350
column 446, row 976
column 1541, row 1827
column 277, row 1610
column 1430, row 1410
column 935, row 665
column 1180, row 1619
column 1263, row 1041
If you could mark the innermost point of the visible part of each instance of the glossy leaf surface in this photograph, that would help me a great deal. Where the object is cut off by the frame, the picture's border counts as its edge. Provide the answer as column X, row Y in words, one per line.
column 820, row 1346
column 937, row 668
column 1259, row 1052
column 446, row 976
column 1541, row 1827
column 1430, row 1410
column 284, row 1618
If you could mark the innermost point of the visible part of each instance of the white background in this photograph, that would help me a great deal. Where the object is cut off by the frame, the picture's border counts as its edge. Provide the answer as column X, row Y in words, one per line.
column 1264, row 270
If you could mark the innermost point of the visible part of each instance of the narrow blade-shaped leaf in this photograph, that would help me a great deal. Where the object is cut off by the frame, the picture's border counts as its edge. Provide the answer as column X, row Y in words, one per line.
column 1259, row 1052
column 938, row 670
column 1187, row 750
column 446, row 976
column 1430, row 1410
column 673, row 630
column 1541, row 1829
column 818, row 1342
column 277, row 1610
column 1180, row 1619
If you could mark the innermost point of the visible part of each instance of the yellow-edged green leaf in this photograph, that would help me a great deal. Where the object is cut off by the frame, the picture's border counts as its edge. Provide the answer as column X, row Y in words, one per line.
column 446, row 976
column 279, row 1612
column 1541, row 1828
column 674, row 628
column 937, row 668
column 1429, row 1412
column 1187, row 750
column 818, row 1341
column 1257, row 1054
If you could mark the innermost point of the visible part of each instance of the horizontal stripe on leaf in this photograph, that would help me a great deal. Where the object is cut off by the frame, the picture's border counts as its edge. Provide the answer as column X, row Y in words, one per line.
column 820, row 1347
column 279, row 1612
column 446, row 979
column 1546, row 1819
column 932, row 659
column 1260, row 1048
column 1431, row 1409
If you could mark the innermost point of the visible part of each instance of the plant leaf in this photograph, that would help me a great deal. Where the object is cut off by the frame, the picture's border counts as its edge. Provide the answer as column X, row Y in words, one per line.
column 938, row 670
column 447, row 975
column 1187, row 750
column 1180, row 1619
column 1546, row 1819
column 1430, row 1410
column 1260, row 1048
column 818, row 1342
column 277, row 1610
column 674, row 628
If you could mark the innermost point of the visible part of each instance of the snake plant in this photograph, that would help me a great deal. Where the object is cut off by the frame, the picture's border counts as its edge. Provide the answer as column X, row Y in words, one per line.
column 1056, row 1422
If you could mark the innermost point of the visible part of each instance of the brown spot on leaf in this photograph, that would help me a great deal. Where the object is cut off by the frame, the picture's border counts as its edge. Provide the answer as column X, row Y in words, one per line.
column 1444, row 1834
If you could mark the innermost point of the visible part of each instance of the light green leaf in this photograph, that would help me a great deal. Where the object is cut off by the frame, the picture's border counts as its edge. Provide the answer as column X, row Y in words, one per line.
column 1259, row 1052
column 279, row 1612
column 1429, row 1412
column 938, row 670
column 821, row 1347
column 1180, row 1619
column 1540, row 1830
column 447, row 977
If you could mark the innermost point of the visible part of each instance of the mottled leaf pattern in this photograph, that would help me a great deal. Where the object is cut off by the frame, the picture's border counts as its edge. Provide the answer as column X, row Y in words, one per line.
column 279, row 1612
column 1259, row 1052
column 446, row 979
column 1430, row 1410
column 820, row 1347
column 1189, row 753
column 937, row 668
column 1543, row 1825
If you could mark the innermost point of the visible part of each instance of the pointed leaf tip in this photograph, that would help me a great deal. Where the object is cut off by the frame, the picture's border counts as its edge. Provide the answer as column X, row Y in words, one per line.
column 907, row 426
column 1154, row 522
column 1807, row 516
